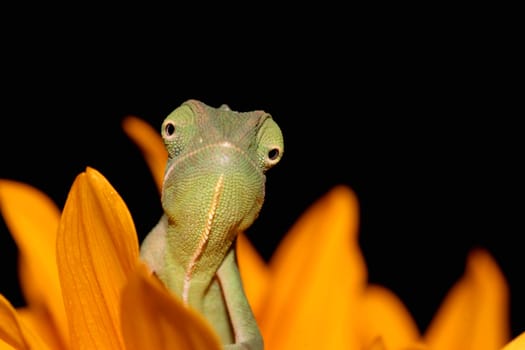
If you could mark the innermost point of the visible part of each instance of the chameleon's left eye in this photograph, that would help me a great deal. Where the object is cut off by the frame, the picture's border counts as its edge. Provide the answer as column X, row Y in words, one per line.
column 177, row 130
column 169, row 129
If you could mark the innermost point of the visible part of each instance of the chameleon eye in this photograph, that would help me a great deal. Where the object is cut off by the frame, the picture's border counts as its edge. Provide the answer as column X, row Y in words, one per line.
column 169, row 129
column 270, row 148
column 273, row 154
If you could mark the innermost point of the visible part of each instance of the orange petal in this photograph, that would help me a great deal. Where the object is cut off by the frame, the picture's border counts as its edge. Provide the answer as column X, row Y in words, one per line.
column 153, row 319
column 255, row 274
column 10, row 330
column 377, row 343
column 475, row 314
column 40, row 321
column 318, row 276
column 97, row 249
column 33, row 219
column 385, row 315
column 150, row 144
column 517, row 343
column 416, row 346
column 14, row 333
column 5, row 346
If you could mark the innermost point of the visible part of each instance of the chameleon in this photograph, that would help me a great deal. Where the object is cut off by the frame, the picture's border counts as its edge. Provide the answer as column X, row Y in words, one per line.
column 213, row 189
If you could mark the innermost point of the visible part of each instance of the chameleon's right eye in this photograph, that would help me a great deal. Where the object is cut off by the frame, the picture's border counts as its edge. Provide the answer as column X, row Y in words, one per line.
column 270, row 148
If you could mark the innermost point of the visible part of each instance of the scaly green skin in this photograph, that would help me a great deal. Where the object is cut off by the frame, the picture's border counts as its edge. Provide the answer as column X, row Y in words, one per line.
column 213, row 189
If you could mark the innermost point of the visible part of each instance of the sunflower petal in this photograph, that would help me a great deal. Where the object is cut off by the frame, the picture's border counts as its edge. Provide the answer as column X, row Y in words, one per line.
column 10, row 331
column 97, row 249
column 474, row 315
column 517, row 343
column 150, row 144
column 255, row 274
column 41, row 323
column 416, row 346
column 318, row 276
column 377, row 343
column 32, row 219
column 14, row 333
column 153, row 319
column 6, row 346
column 385, row 315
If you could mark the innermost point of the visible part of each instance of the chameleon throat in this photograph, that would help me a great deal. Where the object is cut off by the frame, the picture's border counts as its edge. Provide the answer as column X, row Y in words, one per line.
column 203, row 238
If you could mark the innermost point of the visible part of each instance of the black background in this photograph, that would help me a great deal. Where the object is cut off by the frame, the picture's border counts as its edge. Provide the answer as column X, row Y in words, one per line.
column 415, row 113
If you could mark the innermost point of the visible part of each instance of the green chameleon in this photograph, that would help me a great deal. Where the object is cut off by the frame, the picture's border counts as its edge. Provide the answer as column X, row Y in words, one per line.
column 213, row 188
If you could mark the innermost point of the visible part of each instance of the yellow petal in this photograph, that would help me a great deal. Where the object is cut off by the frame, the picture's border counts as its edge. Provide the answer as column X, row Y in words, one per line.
column 97, row 249
column 517, row 343
column 474, row 315
column 254, row 272
column 5, row 346
column 383, row 314
column 14, row 332
column 318, row 276
column 416, row 346
column 41, row 323
column 150, row 144
column 152, row 318
column 32, row 219
column 10, row 331
column 377, row 343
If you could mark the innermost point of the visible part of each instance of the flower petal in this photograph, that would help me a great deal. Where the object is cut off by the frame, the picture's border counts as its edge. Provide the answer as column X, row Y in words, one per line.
column 377, row 343
column 152, row 318
column 318, row 276
column 41, row 323
column 255, row 274
column 474, row 315
column 14, row 332
column 32, row 219
column 10, row 331
column 150, row 144
column 97, row 249
column 385, row 315
column 517, row 343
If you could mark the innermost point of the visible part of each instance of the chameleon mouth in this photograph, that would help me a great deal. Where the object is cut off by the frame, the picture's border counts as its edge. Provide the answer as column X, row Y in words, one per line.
column 221, row 160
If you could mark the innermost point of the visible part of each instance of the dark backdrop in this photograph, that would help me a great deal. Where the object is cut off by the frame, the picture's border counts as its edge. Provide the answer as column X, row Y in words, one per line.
column 414, row 117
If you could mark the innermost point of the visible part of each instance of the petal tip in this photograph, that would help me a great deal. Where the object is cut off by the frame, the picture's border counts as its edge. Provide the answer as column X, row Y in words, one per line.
column 344, row 194
column 129, row 122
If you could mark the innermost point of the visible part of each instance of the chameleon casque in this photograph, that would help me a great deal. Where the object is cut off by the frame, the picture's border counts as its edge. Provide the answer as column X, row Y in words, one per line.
column 213, row 188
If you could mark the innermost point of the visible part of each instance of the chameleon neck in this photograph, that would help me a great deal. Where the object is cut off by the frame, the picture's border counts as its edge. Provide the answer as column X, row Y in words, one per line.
column 196, row 264
column 206, row 206
column 203, row 242
column 198, row 268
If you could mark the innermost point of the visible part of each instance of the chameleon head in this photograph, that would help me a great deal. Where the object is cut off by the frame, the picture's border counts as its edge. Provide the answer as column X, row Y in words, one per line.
column 215, row 178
